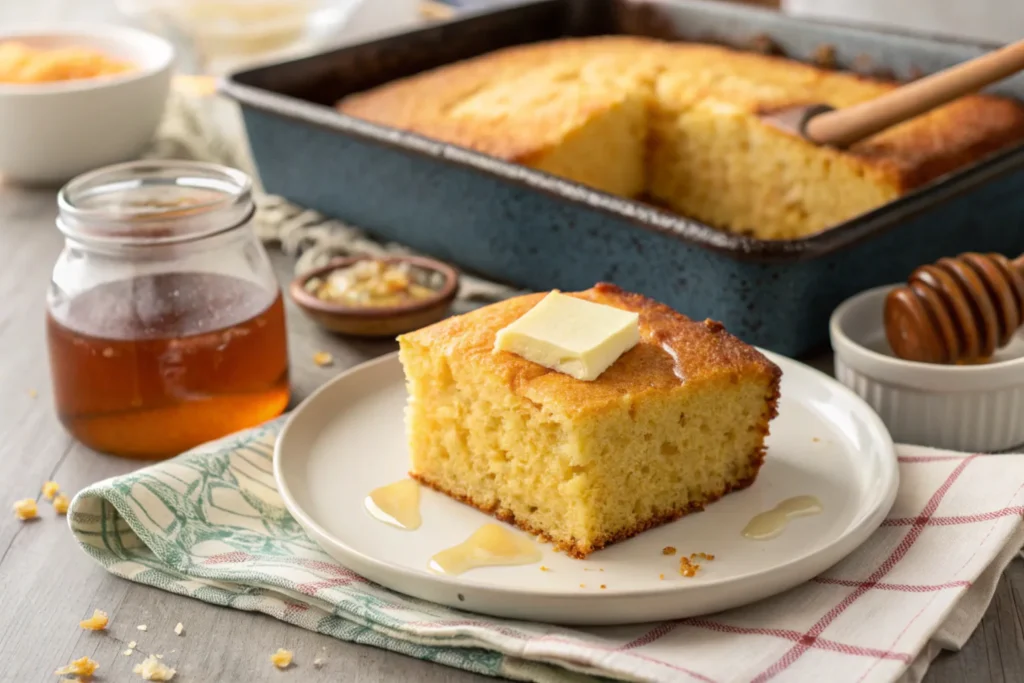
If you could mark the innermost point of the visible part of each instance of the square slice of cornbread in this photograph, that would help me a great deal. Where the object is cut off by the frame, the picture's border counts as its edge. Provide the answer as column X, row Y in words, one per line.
column 675, row 423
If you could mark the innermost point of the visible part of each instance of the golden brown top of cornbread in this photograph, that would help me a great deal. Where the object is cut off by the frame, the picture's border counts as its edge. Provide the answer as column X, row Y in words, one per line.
column 518, row 103
column 673, row 351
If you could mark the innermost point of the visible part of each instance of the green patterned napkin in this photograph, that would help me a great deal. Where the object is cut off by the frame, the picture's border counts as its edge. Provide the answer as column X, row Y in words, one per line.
column 211, row 525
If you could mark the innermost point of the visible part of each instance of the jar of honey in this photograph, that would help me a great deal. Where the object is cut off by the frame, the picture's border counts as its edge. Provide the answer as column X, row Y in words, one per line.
column 165, row 322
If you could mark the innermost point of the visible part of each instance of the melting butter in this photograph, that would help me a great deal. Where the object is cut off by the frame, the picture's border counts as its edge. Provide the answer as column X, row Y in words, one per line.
column 396, row 504
column 490, row 545
column 771, row 523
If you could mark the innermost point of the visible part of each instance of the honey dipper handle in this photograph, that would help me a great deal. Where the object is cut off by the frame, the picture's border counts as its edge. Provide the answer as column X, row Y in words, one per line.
column 843, row 127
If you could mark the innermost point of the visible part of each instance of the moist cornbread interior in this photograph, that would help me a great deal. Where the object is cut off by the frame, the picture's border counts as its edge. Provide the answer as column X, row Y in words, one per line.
column 675, row 423
column 678, row 123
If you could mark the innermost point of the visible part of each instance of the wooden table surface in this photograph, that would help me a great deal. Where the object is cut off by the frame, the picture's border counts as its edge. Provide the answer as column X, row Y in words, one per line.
column 47, row 584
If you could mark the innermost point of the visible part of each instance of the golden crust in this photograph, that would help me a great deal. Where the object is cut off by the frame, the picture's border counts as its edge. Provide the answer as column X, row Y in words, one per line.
column 578, row 550
column 671, row 346
column 517, row 103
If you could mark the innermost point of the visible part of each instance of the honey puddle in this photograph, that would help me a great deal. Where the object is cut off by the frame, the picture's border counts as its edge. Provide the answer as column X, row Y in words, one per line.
column 771, row 523
column 396, row 504
column 490, row 545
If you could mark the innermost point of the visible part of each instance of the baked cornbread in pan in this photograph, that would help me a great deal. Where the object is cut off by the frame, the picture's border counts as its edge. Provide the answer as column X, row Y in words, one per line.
column 678, row 124
column 675, row 423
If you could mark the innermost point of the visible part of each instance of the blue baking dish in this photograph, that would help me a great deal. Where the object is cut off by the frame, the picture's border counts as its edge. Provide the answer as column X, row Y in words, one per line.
column 535, row 231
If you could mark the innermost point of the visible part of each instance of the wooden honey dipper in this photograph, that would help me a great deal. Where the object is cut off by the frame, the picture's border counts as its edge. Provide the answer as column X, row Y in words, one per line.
column 957, row 310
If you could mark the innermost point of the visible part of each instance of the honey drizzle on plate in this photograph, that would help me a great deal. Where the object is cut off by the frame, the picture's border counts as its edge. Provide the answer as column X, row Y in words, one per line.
column 771, row 523
column 396, row 504
column 490, row 545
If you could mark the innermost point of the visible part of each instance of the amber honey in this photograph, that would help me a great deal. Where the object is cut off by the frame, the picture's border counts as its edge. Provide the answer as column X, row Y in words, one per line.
column 152, row 366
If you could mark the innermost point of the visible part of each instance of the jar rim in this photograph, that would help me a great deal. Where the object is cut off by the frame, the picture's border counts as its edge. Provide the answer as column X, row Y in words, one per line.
column 97, row 207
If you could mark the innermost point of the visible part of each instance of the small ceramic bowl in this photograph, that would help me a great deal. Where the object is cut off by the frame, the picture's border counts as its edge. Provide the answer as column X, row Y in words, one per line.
column 384, row 321
column 977, row 408
column 53, row 131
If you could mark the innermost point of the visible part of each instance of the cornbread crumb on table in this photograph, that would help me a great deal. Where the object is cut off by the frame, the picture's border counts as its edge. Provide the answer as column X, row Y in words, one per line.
column 152, row 669
column 97, row 622
column 61, row 504
column 26, row 509
column 318, row 662
column 179, row 628
column 50, row 489
column 141, row 627
column 323, row 359
column 675, row 423
column 679, row 123
column 282, row 659
column 83, row 666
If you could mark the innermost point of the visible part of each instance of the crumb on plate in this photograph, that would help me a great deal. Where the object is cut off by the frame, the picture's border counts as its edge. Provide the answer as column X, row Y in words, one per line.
column 668, row 550
column 544, row 569
column 603, row 586
column 282, row 659
column 50, row 489
column 97, row 622
column 661, row 576
column 61, row 504
column 323, row 359
column 26, row 509
column 79, row 667
column 702, row 556
column 152, row 669
column 687, row 568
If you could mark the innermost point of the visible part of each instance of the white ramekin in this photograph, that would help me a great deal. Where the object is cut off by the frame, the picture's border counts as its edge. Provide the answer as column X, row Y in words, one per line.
column 51, row 132
column 978, row 408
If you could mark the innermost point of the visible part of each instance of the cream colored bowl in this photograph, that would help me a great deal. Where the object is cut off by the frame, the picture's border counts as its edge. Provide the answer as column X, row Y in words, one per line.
column 978, row 408
column 51, row 132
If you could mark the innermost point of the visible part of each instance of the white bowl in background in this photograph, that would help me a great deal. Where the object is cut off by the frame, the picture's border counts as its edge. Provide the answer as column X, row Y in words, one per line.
column 51, row 132
column 977, row 408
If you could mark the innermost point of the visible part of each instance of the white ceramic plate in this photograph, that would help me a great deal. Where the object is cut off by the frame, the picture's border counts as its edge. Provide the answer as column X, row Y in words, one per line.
column 348, row 438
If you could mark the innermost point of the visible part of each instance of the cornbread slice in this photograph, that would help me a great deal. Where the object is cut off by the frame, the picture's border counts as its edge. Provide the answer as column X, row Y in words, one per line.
column 675, row 423
column 679, row 123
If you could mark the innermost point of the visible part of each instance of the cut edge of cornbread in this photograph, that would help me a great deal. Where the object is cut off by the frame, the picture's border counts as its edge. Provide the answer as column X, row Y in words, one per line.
column 706, row 153
column 580, row 464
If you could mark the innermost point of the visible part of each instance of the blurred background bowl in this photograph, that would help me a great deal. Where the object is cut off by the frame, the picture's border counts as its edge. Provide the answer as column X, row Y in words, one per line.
column 215, row 36
column 53, row 131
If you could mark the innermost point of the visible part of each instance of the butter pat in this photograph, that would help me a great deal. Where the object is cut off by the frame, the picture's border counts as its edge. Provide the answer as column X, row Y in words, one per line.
column 572, row 336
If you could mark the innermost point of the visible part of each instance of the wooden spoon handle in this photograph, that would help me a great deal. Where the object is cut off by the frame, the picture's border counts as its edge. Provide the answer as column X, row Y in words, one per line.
column 843, row 127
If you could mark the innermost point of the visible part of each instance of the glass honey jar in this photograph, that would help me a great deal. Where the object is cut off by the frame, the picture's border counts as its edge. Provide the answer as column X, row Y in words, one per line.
column 165, row 323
